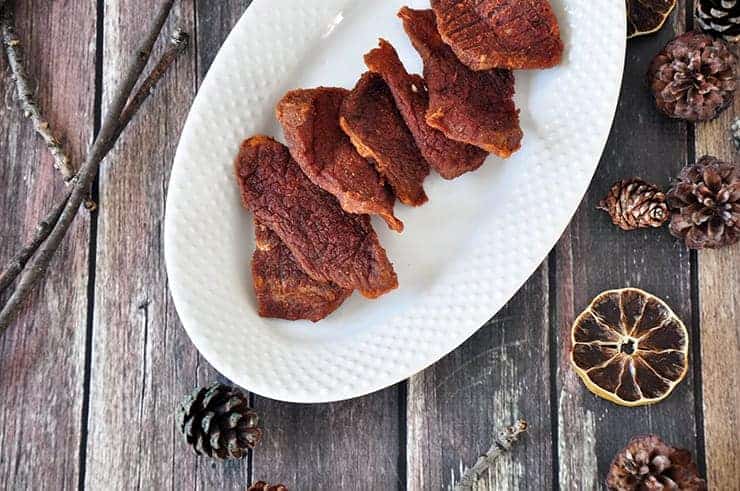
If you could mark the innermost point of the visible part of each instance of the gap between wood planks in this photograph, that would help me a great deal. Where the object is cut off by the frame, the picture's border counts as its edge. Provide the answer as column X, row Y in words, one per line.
column 92, row 245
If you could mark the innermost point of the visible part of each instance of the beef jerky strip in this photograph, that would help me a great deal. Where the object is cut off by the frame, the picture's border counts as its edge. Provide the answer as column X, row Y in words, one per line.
column 467, row 106
column 377, row 130
column 513, row 34
column 283, row 289
column 310, row 121
column 329, row 244
column 448, row 157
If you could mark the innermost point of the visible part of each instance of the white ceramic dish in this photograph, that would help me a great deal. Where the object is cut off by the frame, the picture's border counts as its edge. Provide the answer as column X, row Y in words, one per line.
column 462, row 256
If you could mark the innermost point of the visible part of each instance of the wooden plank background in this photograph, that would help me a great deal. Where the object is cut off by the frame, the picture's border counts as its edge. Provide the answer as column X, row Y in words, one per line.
column 91, row 372
column 43, row 357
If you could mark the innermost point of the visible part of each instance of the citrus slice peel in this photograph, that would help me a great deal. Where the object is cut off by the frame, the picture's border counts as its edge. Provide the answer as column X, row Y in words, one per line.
column 647, row 16
column 629, row 347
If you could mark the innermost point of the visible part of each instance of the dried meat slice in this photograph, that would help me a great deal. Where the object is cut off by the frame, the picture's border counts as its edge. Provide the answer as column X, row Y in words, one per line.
column 370, row 118
column 448, row 157
column 467, row 106
column 310, row 121
column 513, row 34
column 284, row 290
column 329, row 244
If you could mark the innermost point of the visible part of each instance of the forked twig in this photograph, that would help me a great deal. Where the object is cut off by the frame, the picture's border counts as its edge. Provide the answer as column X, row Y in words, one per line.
column 502, row 444
column 27, row 99
column 104, row 142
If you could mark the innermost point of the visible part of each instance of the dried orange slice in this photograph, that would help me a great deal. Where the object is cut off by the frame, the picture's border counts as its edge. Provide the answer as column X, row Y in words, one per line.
column 647, row 16
column 629, row 347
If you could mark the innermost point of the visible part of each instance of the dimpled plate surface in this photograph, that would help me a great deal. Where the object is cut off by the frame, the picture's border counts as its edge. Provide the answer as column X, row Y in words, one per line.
column 461, row 257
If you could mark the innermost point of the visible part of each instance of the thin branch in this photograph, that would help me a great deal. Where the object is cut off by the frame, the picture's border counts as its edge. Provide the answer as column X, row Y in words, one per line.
column 105, row 140
column 43, row 229
column 178, row 43
column 26, row 97
column 134, row 72
column 501, row 445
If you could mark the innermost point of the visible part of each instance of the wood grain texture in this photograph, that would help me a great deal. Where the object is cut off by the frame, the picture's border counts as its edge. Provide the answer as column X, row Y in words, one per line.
column 347, row 445
column 594, row 256
column 143, row 362
column 42, row 355
column 719, row 315
column 499, row 375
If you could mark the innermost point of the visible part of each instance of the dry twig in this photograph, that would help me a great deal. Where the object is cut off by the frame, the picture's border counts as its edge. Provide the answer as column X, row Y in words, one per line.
column 501, row 445
column 43, row 229
column 27, row 99
column 178, row 43
column 110, row 131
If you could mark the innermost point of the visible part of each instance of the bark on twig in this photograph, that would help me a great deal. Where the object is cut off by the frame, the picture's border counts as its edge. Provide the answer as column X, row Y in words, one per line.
column 27, row 99
column 105, row 140
column 501, row 445
column 43, row 229
column 178, row 43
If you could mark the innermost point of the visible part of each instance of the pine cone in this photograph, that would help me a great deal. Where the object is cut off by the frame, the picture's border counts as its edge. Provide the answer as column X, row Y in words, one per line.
column 647, row 463
column 719, row 17
column 705, row 204
column 693, row 78
column 263, row 486
column 634, row 204
column 218, row 422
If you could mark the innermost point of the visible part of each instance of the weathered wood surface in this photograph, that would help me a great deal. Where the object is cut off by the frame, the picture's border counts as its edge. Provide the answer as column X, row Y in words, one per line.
column 594, row 256
column 719, row 316
column 101, row 415
column 142, row 360
column 456, row 407
column 42, row 358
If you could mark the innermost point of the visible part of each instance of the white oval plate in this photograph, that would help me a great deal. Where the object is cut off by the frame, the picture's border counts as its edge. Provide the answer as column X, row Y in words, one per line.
column 462, row 256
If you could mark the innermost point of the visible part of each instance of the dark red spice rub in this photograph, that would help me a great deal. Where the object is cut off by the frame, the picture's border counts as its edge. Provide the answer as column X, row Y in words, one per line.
column 467, row 106
column 513, row 34
column 328, row 244
column 449, row 158
column 283, row 289
column 310, row 121
column 370, row 118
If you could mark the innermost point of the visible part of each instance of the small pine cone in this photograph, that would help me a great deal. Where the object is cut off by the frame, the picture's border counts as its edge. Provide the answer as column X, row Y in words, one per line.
column 634, row 204
column 705, row 204
column 647, row 463
column 720, row 18
column 218, row 422
column 693, row 78
column 263, row 486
